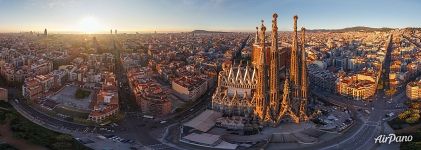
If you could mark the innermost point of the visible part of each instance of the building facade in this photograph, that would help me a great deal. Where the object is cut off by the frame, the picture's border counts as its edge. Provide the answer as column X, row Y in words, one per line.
column 190, row 88
column 36, row 87
column 359, row 86
column 3, row 94
column 149, row 95
column 413, row 90
column 106, row 103
column 321, row 78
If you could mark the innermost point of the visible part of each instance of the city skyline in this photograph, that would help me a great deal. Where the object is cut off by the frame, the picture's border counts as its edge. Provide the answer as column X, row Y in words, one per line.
column 210, row 74
column 95, row 16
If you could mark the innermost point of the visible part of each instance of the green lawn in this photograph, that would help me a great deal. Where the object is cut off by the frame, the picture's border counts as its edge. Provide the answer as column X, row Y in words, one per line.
column 81, row 94
column 24, row 129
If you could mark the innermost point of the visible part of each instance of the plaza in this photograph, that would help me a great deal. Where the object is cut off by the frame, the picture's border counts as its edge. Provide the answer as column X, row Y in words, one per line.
column 66, row 99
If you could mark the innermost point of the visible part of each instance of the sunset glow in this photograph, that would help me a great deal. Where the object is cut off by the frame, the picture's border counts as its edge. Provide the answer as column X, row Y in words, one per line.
column 90, row 25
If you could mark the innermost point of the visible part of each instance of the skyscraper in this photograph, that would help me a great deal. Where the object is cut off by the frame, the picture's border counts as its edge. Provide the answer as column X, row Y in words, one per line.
column 45, row 32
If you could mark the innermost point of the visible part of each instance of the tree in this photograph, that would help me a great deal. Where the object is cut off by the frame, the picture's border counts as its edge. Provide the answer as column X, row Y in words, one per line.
column 390, row 92
column 404, row 114
column 412, row 115
column 415, row 105
column 64, row 138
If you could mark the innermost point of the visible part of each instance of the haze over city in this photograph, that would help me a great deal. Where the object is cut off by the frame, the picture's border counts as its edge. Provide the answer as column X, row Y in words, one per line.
column 98, row 16
column 210, row 74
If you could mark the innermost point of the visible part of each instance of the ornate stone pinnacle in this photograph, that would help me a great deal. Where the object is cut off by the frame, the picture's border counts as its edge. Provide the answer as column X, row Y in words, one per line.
column 263, row 28
column 295, row 22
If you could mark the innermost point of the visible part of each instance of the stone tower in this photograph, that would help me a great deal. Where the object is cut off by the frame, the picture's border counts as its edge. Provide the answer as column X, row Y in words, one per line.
column 274, row 81
column 260, row 96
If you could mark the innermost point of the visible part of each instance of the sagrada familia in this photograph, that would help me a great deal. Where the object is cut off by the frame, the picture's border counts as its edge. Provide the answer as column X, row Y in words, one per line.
column 267, row 89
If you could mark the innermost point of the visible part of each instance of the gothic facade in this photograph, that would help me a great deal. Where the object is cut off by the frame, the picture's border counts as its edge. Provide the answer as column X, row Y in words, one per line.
column 267, row 89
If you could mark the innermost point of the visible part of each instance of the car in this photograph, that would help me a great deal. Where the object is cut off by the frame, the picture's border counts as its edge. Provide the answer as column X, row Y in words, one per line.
column 101, row 137
column 366, row 111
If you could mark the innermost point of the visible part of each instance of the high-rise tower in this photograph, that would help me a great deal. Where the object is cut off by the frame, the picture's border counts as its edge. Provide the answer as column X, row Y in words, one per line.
column 45, row 32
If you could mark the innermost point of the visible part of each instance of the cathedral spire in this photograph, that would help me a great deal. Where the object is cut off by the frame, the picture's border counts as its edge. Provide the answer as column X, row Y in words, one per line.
column 304, row 81
column 294, row 55
column 260, row 96
column 273, row 70
column 303, row 64
column 256, row 39
column 274, row 32
column 295, row 72
column 262, row 34
column 272, row 99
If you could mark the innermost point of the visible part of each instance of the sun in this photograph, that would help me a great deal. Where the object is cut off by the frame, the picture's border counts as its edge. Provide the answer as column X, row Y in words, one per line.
column 90, row 25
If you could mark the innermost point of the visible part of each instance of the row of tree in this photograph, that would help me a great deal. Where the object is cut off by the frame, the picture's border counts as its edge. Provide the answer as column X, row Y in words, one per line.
column 411, row 115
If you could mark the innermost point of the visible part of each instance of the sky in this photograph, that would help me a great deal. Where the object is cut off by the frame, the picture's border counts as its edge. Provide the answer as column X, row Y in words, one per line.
column 216, row 15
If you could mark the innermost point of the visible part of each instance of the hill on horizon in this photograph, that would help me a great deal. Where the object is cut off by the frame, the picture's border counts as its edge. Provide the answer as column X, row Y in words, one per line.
column 354, row 29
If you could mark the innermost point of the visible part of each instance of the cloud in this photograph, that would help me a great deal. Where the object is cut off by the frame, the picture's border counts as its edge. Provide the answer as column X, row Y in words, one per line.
column 49, row 3
column 213, row 3
column 60, row 3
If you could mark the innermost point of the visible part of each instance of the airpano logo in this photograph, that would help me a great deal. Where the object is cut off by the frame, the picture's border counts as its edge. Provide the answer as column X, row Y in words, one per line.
column 392, row 138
